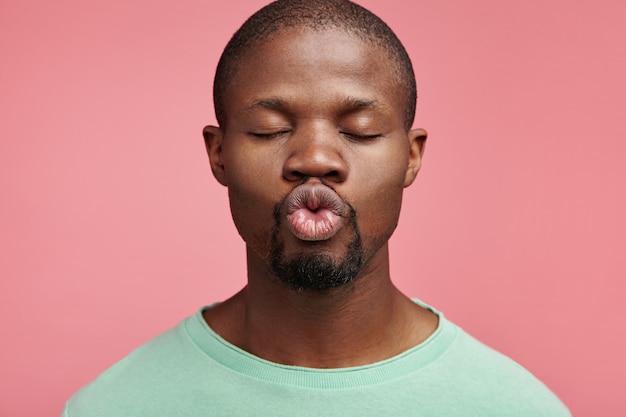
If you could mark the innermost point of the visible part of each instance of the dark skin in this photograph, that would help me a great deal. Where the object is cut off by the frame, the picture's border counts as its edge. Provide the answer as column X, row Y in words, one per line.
column 322, row 106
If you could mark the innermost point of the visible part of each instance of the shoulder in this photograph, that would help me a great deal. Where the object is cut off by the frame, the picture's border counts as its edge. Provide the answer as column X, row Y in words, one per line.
column 477, row 374
column 146, row 372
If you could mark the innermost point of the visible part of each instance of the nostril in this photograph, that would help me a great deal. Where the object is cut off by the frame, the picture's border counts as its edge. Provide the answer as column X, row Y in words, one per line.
column 297, row 175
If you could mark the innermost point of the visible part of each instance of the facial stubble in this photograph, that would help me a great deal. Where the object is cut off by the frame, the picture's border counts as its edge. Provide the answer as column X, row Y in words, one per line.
column 315, row 271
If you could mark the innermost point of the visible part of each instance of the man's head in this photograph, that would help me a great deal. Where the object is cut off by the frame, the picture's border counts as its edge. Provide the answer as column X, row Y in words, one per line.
column 313, row 143
column 317, row 15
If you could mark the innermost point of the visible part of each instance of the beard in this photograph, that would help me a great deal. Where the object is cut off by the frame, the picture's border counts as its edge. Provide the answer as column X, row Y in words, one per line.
column 317, row 272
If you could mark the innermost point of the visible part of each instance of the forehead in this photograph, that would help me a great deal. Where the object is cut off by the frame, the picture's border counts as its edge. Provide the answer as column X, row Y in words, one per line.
column 316, row 41
column 316, row 65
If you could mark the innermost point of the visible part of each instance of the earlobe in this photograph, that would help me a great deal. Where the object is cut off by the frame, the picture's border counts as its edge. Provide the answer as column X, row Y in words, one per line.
column 213, row 137
column 417, row 143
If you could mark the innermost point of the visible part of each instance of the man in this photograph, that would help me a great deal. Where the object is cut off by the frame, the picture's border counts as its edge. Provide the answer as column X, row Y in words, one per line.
column 315, row 102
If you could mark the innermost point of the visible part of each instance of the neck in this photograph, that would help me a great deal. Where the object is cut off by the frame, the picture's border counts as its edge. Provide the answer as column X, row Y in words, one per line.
column 363, row 322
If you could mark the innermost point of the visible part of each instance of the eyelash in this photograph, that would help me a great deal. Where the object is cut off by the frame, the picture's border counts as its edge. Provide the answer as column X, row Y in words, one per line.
column 272, row 135
column 353, row 136
column 361, row 137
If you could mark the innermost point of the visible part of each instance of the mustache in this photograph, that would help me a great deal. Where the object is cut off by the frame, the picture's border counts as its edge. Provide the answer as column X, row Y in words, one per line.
column 349, row 214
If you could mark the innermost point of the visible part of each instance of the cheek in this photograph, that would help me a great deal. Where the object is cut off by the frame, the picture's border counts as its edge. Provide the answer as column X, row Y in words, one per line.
column 381, row 198
column 252, row 197
column 253, row 218
column 250, row 172
column 380, row 212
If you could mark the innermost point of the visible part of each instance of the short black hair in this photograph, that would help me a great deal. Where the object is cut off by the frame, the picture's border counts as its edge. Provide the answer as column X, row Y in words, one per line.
column 315, row 15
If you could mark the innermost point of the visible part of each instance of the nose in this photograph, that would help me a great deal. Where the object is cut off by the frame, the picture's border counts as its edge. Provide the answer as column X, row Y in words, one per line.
column 315, row 153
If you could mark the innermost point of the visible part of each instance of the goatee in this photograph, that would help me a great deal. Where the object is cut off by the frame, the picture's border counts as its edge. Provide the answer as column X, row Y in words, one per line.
column 316, row 272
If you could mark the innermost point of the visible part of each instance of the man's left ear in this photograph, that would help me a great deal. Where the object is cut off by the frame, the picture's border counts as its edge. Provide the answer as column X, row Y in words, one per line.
column 417, row 143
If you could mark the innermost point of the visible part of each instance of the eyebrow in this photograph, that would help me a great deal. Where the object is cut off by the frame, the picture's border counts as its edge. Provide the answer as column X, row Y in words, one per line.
column 347, row 104
column 353, row 104
column 268, row 103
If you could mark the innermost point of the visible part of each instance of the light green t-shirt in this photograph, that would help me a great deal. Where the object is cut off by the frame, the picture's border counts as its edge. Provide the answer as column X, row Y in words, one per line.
column 191, row 371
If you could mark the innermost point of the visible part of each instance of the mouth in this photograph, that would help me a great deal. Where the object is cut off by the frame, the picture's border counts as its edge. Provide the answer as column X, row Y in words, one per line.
column 314, row 212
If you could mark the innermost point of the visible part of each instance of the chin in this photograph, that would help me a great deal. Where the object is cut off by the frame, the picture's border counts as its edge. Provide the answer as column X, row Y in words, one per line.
column 316, row 272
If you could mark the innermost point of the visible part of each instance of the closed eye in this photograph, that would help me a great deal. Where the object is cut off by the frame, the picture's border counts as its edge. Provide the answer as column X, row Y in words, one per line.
column 271, row 135
column 354, row 136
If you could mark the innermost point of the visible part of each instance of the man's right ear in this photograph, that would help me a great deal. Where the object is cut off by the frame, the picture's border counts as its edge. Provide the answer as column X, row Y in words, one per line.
column 213, row 137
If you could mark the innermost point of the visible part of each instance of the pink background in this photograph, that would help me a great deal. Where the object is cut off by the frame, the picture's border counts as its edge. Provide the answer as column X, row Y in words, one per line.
column 112, row 228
